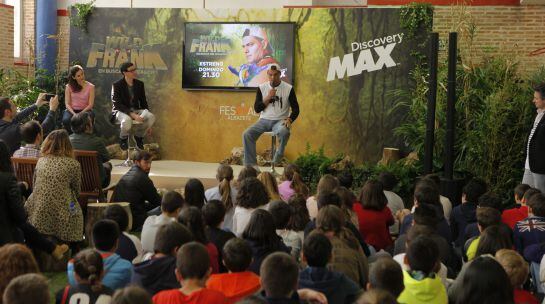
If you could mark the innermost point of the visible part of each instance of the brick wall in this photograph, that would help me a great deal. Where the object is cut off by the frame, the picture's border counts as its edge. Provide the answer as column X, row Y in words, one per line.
column 515, row 31
column 6, row 36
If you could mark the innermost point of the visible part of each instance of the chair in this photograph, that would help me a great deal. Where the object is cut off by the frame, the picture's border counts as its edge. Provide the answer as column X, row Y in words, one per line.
column 128, row 162
column 24, row 169
column 91, row 185
column 273, row 149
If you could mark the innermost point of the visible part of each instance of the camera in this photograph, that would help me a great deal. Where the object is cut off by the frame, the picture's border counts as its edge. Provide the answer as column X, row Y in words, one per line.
column 49, row 96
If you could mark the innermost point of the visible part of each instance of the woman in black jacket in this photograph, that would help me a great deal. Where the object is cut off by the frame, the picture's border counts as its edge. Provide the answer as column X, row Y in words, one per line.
column 13, row 218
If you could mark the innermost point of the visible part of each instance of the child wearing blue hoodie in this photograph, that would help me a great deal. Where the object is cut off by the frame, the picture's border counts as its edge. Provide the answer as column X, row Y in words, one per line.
column 337, row 287
column 118, row 272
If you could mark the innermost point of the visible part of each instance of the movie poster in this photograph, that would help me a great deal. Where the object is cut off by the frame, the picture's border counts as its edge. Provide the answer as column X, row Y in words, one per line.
column 236, row 55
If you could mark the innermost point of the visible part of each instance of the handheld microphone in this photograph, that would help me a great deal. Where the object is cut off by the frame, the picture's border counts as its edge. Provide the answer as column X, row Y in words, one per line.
column 275, row 97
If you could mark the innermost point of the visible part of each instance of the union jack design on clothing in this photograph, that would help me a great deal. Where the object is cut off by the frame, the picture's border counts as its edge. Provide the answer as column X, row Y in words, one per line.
column 530, row 224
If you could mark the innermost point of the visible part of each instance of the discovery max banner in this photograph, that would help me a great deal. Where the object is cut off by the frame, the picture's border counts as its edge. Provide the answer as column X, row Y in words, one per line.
column 346, row 66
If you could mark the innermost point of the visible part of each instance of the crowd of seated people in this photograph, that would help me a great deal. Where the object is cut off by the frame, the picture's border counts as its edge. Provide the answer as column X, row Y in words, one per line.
column 253, row 238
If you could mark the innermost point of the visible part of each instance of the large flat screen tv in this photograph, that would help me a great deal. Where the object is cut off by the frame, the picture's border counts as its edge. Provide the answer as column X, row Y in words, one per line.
column 235, row 56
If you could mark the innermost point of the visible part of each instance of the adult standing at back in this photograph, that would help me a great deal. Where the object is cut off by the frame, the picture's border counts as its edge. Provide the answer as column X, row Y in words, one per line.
column 534, row 168
column 79, row 96
column 53, row 206
column 130, row 103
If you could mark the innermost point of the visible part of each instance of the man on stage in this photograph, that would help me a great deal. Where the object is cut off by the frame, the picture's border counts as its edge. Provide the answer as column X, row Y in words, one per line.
column 130, row 103
column 534, row 170
column 273, row 100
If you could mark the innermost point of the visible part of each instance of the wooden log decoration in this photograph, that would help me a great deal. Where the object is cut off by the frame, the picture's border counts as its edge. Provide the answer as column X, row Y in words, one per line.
column 95, row 212
column 390, row 155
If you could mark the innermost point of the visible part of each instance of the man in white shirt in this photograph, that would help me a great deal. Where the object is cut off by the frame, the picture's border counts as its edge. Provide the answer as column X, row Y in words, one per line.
column 534, row 169
column 273, row 100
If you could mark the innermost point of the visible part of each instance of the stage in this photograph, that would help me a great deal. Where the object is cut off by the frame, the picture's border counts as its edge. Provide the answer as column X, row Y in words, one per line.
column 173, row 174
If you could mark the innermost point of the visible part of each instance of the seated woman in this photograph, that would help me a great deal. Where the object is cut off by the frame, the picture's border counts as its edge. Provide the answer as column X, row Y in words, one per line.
column 79, row 96
column 194, row 193
column 53, row 206
column 13, row 218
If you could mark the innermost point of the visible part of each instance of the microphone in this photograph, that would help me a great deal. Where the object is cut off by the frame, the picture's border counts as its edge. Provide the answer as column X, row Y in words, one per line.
column 275, row 97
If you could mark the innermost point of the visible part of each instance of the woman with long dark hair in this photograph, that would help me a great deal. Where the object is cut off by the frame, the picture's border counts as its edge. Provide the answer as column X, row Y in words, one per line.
column 79, row 95
column 13, row 218
column 260, row 233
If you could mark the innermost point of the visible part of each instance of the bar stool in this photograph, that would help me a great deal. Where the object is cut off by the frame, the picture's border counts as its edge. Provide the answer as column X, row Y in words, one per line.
column 128, row 162
column 273, row 150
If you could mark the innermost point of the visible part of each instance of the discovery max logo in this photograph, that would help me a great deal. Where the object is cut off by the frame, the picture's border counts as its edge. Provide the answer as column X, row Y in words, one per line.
column 381, row 47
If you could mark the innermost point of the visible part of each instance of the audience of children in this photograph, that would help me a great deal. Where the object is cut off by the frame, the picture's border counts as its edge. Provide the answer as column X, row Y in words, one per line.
column 193, row 257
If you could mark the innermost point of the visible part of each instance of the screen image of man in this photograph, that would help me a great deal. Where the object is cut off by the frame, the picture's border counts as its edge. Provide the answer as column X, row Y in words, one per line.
column 258, row 53
column 274, row 99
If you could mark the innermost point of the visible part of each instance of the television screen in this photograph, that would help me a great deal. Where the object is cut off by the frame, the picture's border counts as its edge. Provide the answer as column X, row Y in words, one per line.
column 236, row 55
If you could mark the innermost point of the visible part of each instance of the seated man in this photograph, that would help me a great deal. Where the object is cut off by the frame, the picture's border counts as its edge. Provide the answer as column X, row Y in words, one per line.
column 273, row 101
column 10, row 120
column 33, row 135
column 130, row 103
column 137, row 188
column 84, row 139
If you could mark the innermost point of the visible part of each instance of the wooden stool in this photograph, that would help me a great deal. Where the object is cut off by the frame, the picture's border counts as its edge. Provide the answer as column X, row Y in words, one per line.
column 95, row 212
column 273, row 149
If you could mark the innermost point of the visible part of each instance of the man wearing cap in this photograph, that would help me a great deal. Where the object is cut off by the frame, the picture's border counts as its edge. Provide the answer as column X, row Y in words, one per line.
column 273, row 100
column 257, row 51
column 130, row 103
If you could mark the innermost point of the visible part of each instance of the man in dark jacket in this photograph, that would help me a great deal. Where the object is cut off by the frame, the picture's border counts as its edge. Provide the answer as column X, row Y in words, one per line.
column 10, row 120
column 534, row 169
column 158, row 273
column 130, row 104
column 137, row 188
column 84, row 139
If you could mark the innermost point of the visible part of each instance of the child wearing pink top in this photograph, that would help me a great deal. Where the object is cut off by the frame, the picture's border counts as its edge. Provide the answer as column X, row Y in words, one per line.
column 79, row 95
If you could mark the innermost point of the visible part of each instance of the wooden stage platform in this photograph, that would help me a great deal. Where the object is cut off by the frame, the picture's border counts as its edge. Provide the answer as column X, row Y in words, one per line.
column 173, row 174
